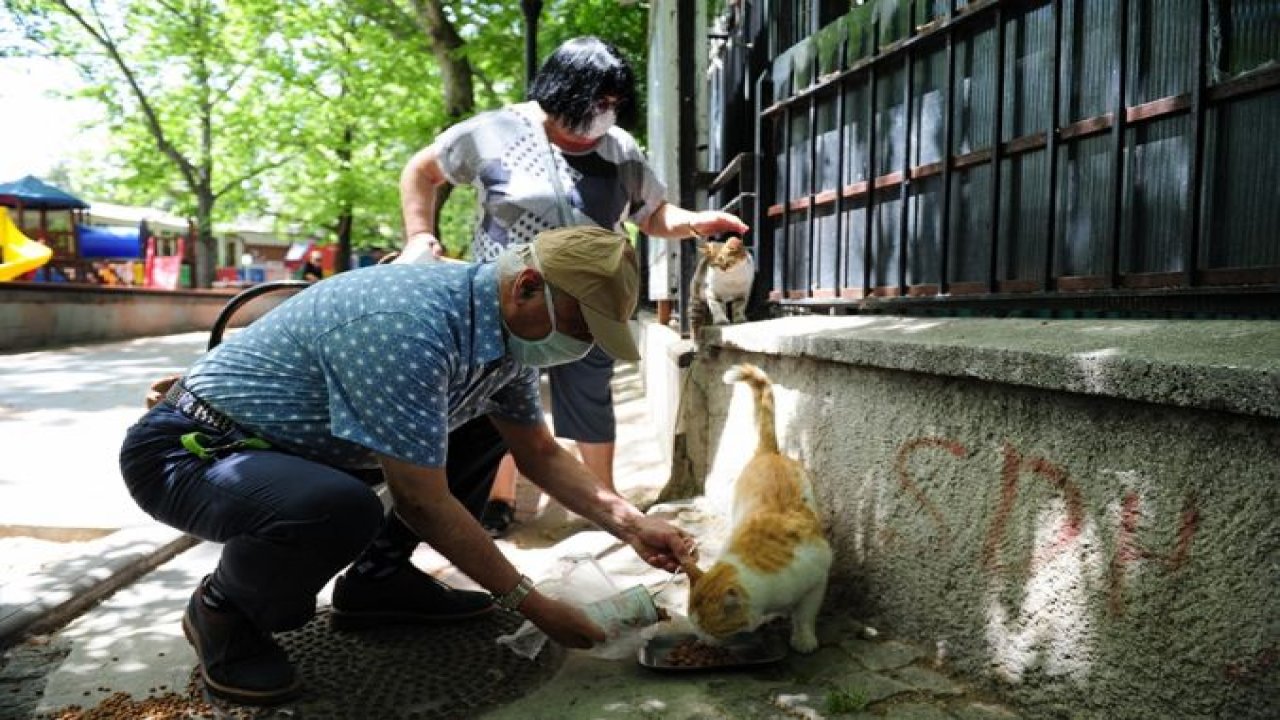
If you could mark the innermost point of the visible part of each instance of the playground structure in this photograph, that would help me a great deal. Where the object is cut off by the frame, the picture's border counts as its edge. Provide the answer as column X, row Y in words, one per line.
column 102, row 244
column 107, row 244
column 21, row 254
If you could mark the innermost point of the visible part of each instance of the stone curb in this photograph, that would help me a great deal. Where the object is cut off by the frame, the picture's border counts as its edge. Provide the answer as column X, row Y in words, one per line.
column 44, row 600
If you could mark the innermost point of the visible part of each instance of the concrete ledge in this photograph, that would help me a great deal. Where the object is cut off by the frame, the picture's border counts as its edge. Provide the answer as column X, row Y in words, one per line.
column 1083, row 512
column 1227, row 365
column 43, row 600
column 44, row 315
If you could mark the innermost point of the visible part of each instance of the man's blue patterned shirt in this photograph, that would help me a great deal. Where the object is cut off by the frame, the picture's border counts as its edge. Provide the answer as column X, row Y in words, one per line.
column 385, row 359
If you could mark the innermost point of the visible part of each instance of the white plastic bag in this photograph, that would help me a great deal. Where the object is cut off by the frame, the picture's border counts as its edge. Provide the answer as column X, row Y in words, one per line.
column 580, row 580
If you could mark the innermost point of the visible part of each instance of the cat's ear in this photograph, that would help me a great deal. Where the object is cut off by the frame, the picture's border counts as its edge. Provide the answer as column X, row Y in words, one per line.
column 734, row 243
column 710, row 249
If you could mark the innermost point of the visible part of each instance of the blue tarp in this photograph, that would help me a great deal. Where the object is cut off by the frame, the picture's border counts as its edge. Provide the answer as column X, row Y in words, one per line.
column 98, row 241
column 32, row 192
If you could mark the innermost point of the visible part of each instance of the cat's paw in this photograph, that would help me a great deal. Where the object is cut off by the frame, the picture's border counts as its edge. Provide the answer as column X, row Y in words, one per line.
column 804, row 641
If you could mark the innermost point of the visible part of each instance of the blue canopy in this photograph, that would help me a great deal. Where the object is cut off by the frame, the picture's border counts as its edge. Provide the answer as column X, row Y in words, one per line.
column 109, row 242
column 32, row 192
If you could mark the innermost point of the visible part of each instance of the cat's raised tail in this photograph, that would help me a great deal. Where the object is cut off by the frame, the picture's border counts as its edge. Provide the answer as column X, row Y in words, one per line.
column 762, row 388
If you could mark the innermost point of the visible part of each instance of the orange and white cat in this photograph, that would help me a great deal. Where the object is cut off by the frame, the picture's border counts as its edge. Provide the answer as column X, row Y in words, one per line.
column 727, row 286
column 777, row 559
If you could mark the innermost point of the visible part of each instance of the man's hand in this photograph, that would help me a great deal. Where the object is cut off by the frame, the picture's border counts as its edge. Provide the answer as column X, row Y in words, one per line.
column 157, row 391
column 662, row 544
column 562, row 622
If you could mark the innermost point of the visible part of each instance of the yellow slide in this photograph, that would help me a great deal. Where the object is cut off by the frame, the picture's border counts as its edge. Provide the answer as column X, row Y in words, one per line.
column 21, row 253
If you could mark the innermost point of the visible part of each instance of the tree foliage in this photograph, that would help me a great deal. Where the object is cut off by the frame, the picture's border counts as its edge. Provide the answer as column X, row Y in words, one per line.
column 302, row 113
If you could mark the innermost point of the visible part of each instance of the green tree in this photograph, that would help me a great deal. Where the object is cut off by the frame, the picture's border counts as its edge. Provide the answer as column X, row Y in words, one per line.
column 301, row 112
column 353, row 102
column 183, row 96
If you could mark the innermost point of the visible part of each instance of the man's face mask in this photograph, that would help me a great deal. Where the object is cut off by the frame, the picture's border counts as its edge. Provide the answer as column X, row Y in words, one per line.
column 554, row 349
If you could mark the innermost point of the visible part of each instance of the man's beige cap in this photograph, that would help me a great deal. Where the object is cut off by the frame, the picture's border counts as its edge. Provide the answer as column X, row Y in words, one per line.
column 598, row 268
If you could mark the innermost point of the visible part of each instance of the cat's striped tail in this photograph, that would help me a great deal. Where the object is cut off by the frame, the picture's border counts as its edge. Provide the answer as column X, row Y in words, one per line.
column 762, row 388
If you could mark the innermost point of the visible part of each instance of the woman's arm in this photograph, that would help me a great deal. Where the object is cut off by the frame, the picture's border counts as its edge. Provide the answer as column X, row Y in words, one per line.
column 420, row 183
column 672, row 221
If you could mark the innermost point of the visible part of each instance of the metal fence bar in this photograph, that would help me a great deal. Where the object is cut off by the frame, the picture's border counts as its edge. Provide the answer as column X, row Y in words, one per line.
column 1051, row 148
column 811, row 220
column 904, row 190
column 784, row 248
column 840, row 275
column 1195, row 179
column 1119, row 118
column 868, row 223
column 948, row 140
column 764, row 183
column 997, row 142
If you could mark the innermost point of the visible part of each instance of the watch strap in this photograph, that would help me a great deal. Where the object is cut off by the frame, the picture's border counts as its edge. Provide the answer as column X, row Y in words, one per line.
column 511, row 599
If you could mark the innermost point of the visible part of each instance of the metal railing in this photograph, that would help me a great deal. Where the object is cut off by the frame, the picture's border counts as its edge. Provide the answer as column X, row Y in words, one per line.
column 1015, row 154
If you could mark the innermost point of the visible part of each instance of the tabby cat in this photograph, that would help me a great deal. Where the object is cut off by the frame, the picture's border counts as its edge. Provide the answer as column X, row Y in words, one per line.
column 777, row 558
column 721, row 281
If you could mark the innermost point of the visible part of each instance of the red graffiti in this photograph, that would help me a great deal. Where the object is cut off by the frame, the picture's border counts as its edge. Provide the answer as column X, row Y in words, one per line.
column 904, row 478
column 1010, row 474
column 1128, row 551
column 1014, row 465
column 1251, row 669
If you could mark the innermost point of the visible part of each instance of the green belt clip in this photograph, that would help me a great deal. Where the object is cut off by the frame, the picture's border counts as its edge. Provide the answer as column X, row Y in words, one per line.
column 197, row 443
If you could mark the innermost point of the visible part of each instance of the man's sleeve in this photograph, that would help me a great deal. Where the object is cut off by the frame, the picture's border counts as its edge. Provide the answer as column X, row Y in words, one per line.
column 519, row 400
column 388, row 388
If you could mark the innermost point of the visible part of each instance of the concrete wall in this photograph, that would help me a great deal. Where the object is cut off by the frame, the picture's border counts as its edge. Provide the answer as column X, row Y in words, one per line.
column 1084, row 513
column 40, row 315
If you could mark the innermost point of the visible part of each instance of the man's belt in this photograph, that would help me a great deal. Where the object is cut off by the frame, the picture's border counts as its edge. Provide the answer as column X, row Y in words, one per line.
column 193, row 407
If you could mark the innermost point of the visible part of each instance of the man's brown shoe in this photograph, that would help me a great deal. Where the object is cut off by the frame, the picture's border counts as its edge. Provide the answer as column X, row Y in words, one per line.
column 238, row 661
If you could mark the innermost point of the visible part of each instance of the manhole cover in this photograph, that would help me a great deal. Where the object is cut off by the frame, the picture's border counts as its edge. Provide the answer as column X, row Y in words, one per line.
column 412, row 672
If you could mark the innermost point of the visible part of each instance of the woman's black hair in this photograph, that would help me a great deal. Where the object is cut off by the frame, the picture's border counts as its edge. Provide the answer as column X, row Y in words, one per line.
column 579, row 74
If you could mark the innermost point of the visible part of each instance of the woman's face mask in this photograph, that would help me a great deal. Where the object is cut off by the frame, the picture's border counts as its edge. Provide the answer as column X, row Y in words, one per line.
column 600, row 124
column 554, row 349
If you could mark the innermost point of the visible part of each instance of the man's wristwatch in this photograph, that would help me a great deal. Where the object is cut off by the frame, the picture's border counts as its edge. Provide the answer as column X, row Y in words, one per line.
column 511, row 599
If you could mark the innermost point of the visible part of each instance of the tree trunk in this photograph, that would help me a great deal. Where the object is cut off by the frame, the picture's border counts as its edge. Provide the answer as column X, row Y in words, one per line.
column 346, row 218
column 455, row 69
column 206, row 251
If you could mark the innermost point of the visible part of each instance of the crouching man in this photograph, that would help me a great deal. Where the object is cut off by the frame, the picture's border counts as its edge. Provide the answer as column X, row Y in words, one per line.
column 421, row 376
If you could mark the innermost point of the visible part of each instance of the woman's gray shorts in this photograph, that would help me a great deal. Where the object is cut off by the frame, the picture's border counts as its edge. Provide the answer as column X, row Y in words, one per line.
column 582, row 400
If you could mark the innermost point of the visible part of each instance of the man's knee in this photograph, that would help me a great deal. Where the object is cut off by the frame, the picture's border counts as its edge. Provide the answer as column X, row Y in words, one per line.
column 343, row 518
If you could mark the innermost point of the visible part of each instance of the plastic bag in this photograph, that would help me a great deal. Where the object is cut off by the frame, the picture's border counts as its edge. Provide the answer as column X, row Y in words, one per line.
column 580, row 580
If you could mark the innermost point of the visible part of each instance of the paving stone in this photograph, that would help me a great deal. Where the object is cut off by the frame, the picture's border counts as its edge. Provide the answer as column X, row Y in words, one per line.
column 930, row 681
column 818, row 666
column 872, row 685
column 835, row 629
column 885, row 655
column 917, row 711
column 983, row 711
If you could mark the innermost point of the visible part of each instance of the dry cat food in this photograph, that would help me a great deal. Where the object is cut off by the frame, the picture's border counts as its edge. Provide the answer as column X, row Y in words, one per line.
column 695, row 653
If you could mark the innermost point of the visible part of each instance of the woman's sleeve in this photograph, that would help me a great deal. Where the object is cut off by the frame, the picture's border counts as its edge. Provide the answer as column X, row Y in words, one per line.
column 458, row 150
column 645, row 192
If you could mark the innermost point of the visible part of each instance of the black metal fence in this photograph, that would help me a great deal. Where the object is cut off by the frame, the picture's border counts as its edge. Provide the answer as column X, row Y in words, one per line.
column 1019, row 155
